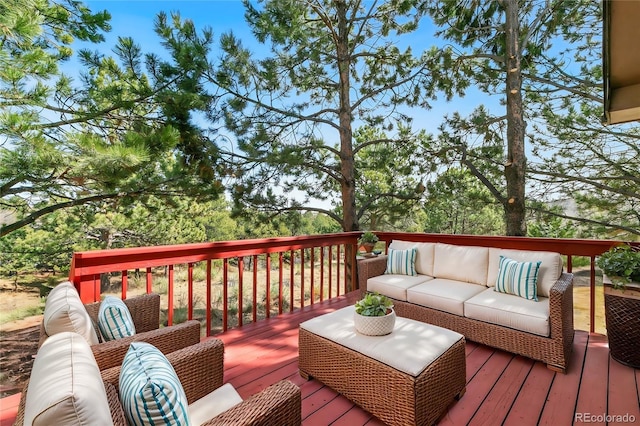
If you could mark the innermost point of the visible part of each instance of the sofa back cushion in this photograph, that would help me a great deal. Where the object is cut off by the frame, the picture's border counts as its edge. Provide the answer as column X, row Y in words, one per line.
column 424, row 254
column 461, row 263
column 65, row 386
column 64, row 311
column 549, row 272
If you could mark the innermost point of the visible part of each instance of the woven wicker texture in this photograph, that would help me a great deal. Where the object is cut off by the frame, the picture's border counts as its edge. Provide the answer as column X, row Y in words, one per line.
column 200, row 370
column 554, row 350
column 624, row 335
column 394, row 397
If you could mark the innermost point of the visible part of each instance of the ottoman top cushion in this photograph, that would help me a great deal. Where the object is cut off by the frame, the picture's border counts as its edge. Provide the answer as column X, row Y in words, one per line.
column 410, row 348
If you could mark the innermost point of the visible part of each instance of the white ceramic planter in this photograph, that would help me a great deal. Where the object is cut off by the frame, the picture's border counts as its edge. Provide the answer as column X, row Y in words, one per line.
column 375, row 326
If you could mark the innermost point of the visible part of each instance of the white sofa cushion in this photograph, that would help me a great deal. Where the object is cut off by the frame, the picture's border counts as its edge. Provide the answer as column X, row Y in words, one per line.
column 461, row 263
column 443, row 294
column 65, row 387
column 64, row 311
column 510, row 311
column 114, row 319
column 411, row 348
column 216, row 402
column 424, row 255
column 550, row 268
column 395, row 286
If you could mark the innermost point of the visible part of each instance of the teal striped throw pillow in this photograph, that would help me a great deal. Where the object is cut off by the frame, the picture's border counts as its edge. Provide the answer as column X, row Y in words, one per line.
column 518, row 278
column 401, row 262
column 114, row 319
column 150, row 391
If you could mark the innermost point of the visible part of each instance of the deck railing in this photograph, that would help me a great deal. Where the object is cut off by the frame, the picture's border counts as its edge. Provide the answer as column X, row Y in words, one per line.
column 236, row 281
column 245, row 280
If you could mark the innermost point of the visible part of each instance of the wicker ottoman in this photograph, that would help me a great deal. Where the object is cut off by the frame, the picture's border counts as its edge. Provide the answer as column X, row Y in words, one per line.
column 408, row 377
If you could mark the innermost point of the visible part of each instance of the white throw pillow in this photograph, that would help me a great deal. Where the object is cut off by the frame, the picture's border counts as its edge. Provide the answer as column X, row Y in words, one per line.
column 150, row 391
column 114, row 319
column 64, row 311
column 65, row 387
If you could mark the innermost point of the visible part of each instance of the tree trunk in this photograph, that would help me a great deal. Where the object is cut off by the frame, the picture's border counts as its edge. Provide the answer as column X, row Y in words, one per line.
column 515, row 166
column 347, row 163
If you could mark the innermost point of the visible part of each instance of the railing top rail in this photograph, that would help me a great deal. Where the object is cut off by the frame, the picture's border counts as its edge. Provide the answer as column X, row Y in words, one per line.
column 567, row 246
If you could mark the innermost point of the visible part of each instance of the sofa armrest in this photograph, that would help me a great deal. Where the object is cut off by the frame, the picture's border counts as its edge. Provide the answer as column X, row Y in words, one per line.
column 168, row 339
column 561, row 309
column 279, row 404
column 371, row 267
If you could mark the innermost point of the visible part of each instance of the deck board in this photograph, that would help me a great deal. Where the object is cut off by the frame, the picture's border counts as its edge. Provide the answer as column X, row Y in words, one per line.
column 502, row 388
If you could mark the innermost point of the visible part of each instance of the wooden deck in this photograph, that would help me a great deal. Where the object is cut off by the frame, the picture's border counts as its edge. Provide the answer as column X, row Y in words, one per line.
column 502, row 388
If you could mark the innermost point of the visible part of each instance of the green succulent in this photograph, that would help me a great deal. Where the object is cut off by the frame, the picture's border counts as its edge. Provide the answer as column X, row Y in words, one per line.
column 368, row 238
column 373, row 305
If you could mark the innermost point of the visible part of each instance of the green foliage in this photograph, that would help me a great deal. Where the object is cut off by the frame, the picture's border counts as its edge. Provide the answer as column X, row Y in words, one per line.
column 373, row 305
column 326, row 66
column 621, row 264
column 368, row 237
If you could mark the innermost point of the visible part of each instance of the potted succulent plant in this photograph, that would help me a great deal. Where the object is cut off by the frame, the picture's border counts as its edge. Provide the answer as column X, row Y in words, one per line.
column 374, row 315
column 367, row 241
column 621, row 283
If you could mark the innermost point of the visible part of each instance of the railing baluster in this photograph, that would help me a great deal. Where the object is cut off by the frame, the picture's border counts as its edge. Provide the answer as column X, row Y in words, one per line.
column 312, row 270
column 240, row 283
column 330, row 269
column 267, row 306
column 208, row 307
column 170, row 297
column 592, row 295
column 321, row 273
column 225, row 295
column 255, row 288
column 190, row 291
column 149, row 277
column 291, row 287
column 338, row 270
column 125, row 284
column 280, row 281
column 301, row 278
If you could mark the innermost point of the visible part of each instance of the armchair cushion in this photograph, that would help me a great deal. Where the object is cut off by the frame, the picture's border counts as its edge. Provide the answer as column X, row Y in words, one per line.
column 213, row 404
column 150, row 391
column 114, row 319
column 64, row 311
column 65, row 386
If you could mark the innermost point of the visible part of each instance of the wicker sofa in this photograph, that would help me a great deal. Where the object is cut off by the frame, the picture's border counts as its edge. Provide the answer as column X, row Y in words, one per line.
column 453, row 288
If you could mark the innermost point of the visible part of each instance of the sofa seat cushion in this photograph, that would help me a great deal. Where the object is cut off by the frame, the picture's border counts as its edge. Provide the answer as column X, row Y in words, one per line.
column 65, row 386
column 461, row 263
column 395, row 286
column 216, row 402
column 443, row 294
column 548, row 274
column 510, row 311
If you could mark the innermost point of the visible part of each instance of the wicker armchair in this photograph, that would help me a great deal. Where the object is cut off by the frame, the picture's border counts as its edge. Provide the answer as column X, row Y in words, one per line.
column 145, row 312
column 200, row 370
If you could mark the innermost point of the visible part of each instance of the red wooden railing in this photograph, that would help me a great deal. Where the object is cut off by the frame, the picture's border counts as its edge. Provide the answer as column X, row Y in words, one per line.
column 323, row 262
column 324, row 259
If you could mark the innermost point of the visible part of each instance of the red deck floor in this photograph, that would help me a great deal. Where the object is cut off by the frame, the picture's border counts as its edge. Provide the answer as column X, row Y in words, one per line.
column 502, row 388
